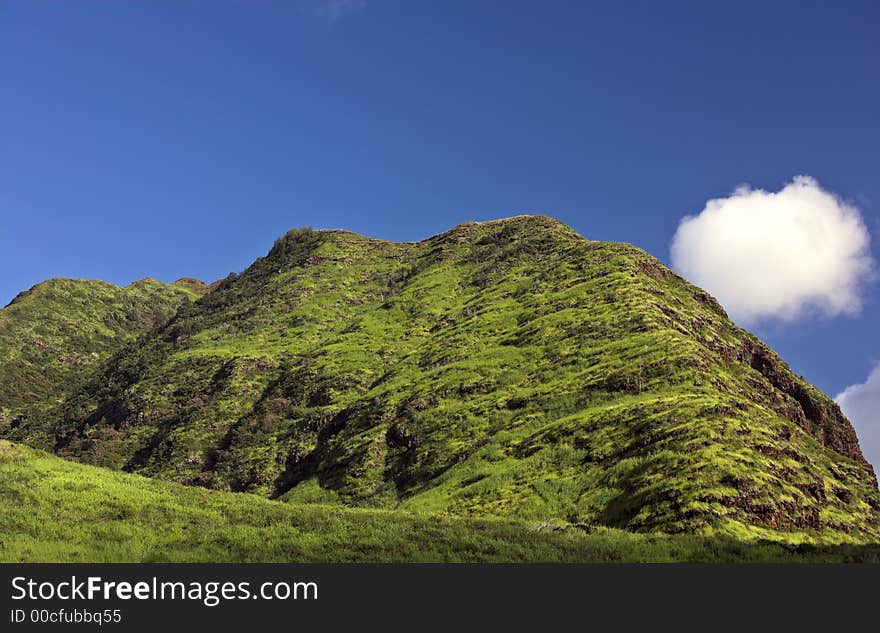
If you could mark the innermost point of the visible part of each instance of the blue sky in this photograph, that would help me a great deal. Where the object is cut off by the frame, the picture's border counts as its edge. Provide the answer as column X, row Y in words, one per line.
column 180, row 138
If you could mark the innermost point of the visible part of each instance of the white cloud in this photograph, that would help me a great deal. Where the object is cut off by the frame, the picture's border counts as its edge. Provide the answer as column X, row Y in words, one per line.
column 766, row 254
column 861, row 404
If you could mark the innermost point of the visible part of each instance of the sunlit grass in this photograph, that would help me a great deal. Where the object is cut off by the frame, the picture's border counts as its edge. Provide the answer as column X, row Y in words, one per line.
column 57, row 511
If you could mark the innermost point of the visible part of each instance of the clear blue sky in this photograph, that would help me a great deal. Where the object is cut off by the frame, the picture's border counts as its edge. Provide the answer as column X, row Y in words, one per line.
column 180, row 138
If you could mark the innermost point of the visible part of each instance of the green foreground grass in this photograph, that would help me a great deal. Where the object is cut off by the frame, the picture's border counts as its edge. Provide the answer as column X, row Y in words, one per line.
column 52, row 510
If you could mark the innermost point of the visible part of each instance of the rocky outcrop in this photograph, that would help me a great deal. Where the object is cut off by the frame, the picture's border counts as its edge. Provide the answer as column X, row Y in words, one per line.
column 814, row 412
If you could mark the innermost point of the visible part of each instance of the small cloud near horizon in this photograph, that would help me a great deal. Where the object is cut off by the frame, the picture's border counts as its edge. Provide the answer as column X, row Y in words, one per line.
column 861, row 404
column 777, row 254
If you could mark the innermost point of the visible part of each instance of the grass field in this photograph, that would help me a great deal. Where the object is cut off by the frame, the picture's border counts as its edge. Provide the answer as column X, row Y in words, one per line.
column 53, row 510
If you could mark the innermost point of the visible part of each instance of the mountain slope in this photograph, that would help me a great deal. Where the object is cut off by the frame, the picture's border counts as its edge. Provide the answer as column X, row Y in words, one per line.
column 508, row 368
column 53, row 510
column 54, row 334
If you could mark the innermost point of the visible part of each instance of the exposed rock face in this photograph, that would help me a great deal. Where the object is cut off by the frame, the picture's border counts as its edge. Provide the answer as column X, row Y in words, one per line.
column 815, row 413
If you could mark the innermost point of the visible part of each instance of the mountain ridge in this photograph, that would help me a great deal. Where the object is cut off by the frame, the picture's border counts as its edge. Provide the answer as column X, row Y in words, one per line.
column 501, row 368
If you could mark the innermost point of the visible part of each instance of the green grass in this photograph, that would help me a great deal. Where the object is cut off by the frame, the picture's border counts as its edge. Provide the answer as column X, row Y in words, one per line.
column 57, row 511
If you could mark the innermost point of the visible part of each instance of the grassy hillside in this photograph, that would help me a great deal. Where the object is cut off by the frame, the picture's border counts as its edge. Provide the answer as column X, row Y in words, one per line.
column 57, row 511
column 53, row 335
column 504, row 369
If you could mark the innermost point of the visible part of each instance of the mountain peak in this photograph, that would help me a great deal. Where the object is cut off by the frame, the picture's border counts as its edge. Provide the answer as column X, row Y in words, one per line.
column 196, row 286
column 54, row 334
column 516, row 225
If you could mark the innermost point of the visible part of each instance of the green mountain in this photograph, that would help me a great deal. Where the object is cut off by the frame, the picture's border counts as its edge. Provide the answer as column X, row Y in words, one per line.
column 53, row 335
column 54, row 510
column 502, row 369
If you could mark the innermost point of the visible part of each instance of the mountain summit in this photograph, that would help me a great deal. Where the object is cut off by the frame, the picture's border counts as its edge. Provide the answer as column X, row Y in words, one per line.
column 505, row 368
column 53, row 335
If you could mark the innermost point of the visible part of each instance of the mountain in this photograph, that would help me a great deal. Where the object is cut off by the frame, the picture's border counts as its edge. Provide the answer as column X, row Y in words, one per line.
column 501, row 369
column 52, row 510
column 54, row 334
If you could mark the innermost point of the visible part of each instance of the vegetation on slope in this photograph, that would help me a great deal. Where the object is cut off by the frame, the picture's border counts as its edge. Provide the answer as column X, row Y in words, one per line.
column 54, row 334
column 507, row 369
column 52, row 510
